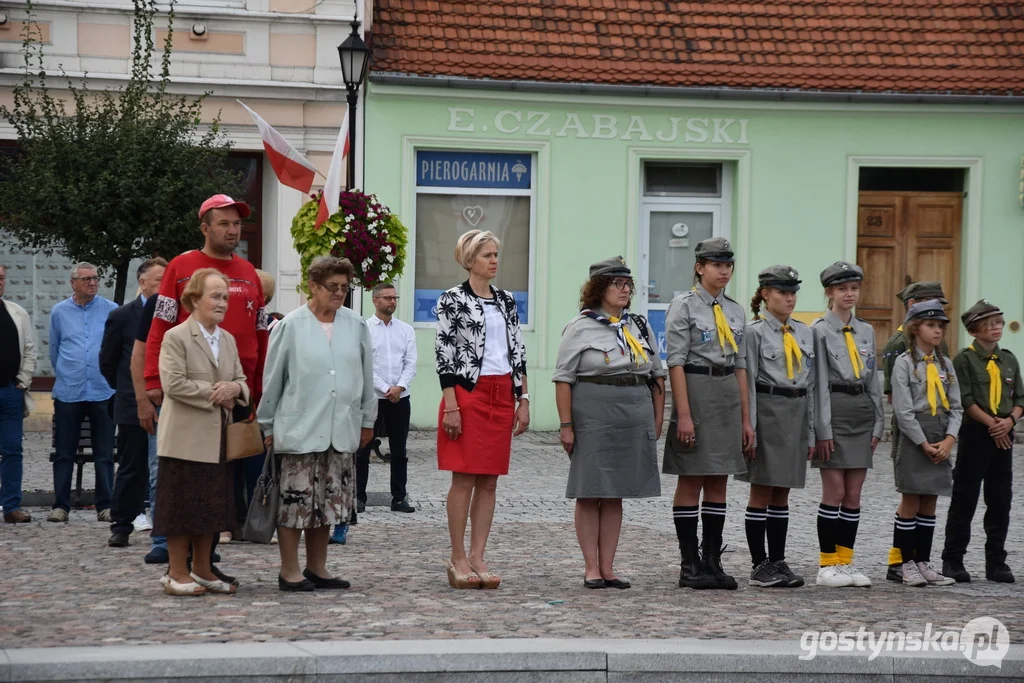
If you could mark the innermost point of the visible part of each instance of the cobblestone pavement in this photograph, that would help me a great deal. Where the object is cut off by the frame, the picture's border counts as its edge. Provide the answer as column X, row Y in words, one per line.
column 62, row 585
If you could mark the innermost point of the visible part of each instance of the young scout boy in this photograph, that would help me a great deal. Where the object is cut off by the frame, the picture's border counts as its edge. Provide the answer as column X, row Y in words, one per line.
column 992, row 392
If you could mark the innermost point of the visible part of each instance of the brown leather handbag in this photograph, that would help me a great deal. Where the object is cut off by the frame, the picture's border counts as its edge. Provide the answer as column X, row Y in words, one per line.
column 243, row 437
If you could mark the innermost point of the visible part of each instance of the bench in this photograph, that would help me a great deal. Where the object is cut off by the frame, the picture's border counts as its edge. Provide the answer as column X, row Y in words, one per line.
column 83, row 455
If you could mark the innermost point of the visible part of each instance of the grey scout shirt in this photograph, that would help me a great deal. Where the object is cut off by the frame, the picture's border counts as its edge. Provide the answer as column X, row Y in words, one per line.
column 766, row 363
column 590, row 348
column 833, row 366
column 692, row 336
column 910, row 395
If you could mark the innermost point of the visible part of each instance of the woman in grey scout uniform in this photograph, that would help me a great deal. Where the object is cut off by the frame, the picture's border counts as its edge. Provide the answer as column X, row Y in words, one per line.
column 849, row 420
column 711, row 427
column 780, row 370
column 926, row 401
column 606, row 371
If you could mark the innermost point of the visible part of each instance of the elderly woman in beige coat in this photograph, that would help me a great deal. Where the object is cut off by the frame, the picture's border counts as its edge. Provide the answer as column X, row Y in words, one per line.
column 202, row 380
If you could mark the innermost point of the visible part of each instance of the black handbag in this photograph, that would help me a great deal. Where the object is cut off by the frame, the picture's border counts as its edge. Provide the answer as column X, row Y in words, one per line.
column 261, row 519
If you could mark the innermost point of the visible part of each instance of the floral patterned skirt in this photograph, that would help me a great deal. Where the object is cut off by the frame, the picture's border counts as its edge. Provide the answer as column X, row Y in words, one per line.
column 317, row 489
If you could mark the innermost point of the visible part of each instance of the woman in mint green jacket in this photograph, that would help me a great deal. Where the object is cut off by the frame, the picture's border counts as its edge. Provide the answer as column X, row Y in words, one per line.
column 318, row 408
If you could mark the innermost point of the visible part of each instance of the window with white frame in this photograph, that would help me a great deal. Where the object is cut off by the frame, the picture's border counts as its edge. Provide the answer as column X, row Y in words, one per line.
column 457, row 191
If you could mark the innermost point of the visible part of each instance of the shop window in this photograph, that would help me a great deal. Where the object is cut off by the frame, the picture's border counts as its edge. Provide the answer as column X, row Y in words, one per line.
column 682, row 180
column 461, row 191
column 249, row 166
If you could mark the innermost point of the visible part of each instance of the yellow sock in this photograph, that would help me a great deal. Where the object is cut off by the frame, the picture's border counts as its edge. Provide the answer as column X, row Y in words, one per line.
column 845, row 554
column 895, row 556
column 829, row 559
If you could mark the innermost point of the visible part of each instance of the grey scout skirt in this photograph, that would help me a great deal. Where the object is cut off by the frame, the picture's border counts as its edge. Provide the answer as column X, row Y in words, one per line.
column 718, row 422
column 853, row 421
column 781, row 456
column 915, row 471
column 615, row 453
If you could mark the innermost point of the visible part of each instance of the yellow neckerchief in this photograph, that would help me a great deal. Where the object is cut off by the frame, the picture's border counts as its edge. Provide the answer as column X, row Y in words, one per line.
column 995, row 380
column 934, row 385
column 792, row 350
column 900, row 328
column 722, row 325
column 634, row 345
column 851, row 347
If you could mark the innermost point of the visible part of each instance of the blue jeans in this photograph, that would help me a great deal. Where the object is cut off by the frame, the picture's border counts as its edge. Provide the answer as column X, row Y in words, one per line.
column 12, row 403
column 69, row 418
column 154, row 461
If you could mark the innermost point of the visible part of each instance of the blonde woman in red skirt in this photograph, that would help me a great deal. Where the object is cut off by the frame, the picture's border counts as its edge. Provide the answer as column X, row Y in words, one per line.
column 481, row 362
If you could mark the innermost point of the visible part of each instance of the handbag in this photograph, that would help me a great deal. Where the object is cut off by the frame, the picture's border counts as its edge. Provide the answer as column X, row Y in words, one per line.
column 261, row 519
column 243, row 438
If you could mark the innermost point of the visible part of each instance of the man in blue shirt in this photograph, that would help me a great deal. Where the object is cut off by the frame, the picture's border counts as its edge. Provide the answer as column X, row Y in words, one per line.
column 79, row 390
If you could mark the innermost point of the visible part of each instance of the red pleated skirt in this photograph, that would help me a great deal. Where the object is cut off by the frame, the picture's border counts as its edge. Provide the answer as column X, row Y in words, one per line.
column 485, row 445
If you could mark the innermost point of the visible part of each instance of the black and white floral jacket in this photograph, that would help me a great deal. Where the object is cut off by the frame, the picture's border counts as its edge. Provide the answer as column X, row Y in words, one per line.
column 459, row 342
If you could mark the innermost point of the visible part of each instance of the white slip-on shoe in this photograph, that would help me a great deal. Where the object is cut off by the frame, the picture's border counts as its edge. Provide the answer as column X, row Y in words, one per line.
column 833, row 577
column 172, row 587
column 215, row 586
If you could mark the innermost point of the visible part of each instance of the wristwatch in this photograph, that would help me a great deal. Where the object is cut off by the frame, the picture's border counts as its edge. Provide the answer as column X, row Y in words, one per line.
column 524, row 397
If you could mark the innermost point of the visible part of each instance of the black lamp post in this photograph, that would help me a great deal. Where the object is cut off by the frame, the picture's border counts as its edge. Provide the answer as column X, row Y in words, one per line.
column 355, row 57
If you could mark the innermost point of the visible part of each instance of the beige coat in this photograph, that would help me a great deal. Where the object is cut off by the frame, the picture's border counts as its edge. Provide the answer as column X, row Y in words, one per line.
column 190, row 426
column 27, row 344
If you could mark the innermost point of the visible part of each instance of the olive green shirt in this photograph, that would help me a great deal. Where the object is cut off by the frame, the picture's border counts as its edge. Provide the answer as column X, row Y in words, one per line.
column 971, row 366
column 899, row 343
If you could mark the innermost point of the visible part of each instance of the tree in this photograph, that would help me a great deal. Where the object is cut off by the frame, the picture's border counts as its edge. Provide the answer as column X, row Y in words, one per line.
column 113, row 175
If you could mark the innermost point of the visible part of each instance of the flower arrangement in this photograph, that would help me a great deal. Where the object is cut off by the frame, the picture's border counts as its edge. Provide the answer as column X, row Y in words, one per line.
column 363, row 230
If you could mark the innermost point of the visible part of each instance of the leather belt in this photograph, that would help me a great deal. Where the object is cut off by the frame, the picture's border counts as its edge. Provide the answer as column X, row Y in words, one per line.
column 613, row 380
column 711, row 370
column 851, row 389
column 779, row 391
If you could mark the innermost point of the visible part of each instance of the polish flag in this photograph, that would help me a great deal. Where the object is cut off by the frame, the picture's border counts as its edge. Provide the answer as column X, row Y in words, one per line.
column 291, row 168
column 332, row 188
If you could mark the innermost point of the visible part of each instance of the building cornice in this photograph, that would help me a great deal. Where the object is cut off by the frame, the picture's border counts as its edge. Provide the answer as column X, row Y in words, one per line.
column 192, row 11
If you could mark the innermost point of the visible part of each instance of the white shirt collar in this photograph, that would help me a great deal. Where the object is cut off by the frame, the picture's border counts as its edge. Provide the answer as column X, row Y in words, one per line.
column 215, row 335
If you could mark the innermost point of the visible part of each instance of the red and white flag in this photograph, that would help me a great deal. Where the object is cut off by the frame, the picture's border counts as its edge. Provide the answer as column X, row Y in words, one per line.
column 291, row 168
column 332, row 188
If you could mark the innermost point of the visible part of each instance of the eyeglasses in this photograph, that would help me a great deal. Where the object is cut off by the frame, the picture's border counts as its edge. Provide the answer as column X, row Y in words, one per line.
column 622, row 284
column 88, row 278
column 334, row 289
column 388, row 298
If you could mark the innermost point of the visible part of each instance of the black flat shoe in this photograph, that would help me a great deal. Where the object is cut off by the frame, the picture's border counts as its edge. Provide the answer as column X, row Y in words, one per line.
column 360, row 507
column 617, row 583
column 402, row 506
column 118, row 540
column 304, row 586
column 594, row 583
column 320, row 582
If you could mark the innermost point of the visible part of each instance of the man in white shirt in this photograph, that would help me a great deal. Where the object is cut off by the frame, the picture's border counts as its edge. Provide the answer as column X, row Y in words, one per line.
column 394, row 366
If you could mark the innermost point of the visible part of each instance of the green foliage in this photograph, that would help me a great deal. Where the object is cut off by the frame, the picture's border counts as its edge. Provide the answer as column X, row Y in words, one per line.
column 113, row 175
column 309, row 241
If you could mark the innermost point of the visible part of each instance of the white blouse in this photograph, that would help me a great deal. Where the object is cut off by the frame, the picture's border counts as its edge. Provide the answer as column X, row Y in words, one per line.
column 496, row 341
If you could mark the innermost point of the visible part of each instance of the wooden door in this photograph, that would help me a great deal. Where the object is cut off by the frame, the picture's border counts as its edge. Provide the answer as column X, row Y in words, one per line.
column 905, row 237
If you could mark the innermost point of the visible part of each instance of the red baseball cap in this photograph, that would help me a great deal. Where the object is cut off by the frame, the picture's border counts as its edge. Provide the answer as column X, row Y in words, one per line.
column 222, row 201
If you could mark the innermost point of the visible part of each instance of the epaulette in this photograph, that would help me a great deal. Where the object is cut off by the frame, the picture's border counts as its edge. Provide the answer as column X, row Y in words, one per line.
column 751, row 323
column 729, row 298
column 817, row 320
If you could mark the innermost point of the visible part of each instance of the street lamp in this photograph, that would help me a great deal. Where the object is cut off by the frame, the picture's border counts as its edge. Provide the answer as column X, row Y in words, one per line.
column 355, row 57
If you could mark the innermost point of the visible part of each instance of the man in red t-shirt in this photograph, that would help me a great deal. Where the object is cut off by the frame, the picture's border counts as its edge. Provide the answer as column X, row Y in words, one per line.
column 221, row 223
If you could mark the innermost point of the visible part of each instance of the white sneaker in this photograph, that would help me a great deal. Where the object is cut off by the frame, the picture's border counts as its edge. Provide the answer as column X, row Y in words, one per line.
column 833, row 577
column 933, row 577
column 860, row 580
column 912, row 575
column 142, row 523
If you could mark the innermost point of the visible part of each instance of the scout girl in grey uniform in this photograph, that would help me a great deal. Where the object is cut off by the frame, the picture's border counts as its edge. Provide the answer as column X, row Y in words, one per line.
column 780, row 370
column 926, row 402
column 606, row 371
column 849, row 421
column 711, row 427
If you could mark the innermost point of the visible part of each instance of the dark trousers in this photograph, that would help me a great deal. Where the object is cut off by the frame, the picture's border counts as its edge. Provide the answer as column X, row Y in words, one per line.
column 12, row 406
column 979, row 462
column 132, row 479
column 393, row 417
column 68, row 418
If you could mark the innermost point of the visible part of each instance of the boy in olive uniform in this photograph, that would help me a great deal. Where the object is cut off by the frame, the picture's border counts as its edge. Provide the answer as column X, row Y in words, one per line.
column 899, row 344
column 992, row 392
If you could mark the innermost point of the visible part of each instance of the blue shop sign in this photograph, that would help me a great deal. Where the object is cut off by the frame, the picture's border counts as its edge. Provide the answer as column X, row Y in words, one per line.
column 474, row 169
column 426, row 306
column 656, row 320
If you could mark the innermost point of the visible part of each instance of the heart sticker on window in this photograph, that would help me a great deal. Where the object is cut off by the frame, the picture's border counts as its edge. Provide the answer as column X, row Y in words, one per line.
column 473, row 215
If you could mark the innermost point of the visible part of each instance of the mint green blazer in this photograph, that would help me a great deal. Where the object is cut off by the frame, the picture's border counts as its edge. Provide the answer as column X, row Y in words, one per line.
column 318, row 393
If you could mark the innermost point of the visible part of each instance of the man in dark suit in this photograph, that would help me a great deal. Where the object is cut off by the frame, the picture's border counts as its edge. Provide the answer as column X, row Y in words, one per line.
column 132, row 440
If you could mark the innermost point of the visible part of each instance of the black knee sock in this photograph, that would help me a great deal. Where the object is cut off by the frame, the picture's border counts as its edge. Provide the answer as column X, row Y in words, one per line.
column 923, row 537
column 846, row 531
column 755, row 525
column 685, row 519
column 777, row 528
column 905, row 538
column 828, row 520
column 712, row 516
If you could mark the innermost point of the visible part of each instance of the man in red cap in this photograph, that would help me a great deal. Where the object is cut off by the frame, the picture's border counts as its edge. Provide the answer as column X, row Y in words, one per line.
column 221, row 224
